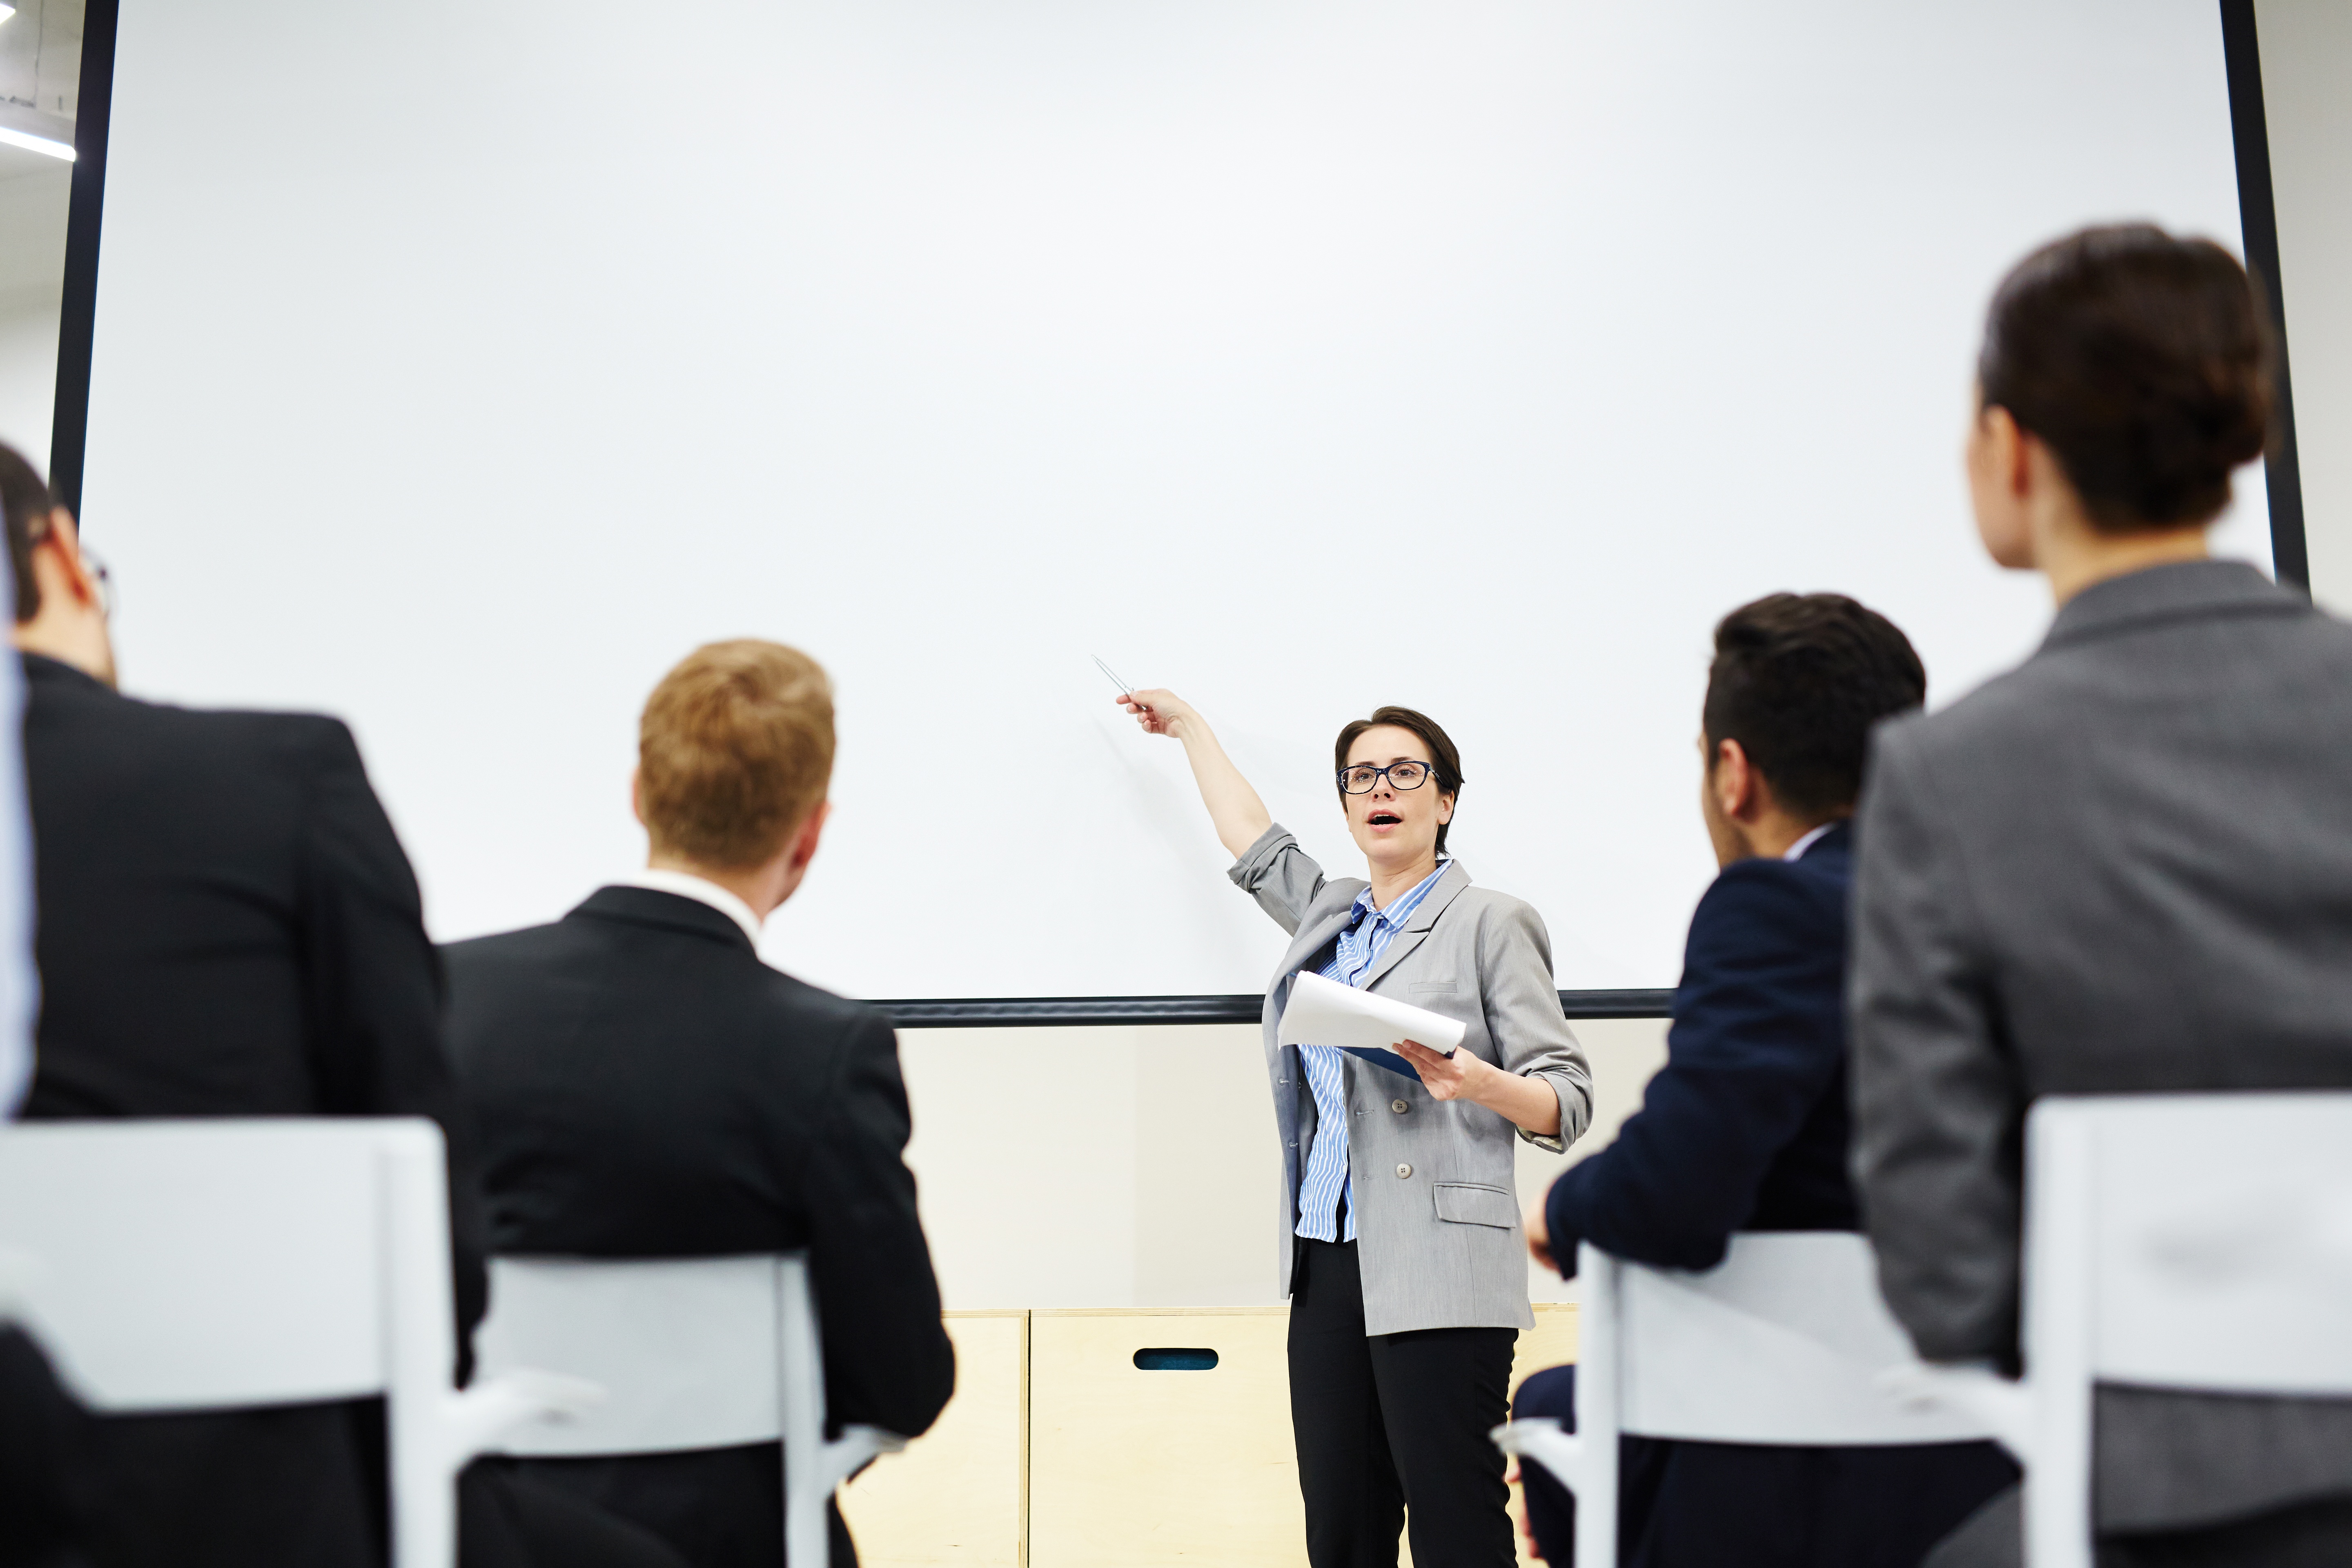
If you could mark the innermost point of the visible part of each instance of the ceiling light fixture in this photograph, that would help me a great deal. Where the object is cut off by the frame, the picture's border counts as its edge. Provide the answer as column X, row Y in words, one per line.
column 37, row 144
column 6, row 10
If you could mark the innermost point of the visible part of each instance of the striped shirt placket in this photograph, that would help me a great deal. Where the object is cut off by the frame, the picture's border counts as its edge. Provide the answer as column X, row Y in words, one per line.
column 1327, row 1179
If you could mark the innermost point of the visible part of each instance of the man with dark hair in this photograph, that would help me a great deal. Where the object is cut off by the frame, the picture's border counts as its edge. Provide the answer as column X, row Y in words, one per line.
column 1745, row 1128
column 228, row 927
column 646, row 1087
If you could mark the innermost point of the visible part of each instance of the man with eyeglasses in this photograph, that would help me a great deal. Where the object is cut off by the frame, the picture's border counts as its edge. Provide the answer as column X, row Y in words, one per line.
column 227, row 926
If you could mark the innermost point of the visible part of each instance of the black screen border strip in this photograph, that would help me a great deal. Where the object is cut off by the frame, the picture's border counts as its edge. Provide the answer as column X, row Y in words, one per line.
column 2258, row 224
column 1077, row 1011
column 78, row 312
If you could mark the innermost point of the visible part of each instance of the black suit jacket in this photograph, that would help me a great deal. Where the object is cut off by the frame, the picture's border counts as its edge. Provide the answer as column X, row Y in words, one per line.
column 227, row 927
column 644, row 1087
column 1746, row 1128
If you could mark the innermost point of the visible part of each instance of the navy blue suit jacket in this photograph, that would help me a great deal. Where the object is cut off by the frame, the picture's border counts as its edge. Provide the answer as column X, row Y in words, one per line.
column 1745, row 1128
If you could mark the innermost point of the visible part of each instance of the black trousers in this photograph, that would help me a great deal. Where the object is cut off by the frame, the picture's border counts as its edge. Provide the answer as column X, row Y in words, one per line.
column 1394, row 1422
column 303, row 1487
column 2316, row 1534
column 1738, row 1505
column 718, row 1508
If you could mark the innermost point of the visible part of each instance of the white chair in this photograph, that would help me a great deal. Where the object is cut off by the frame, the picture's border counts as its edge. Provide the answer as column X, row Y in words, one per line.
column 1783, row 1342
column 2194, row 1242
column 181, row 1266
column 701, row 1353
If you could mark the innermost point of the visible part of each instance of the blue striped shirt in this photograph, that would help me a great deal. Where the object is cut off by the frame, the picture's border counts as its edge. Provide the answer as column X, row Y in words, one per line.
column 1327, row 1180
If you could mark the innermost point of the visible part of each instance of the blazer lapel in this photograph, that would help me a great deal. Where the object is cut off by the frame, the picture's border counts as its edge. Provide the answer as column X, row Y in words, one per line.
column 1312, row 938
column 1449, row 887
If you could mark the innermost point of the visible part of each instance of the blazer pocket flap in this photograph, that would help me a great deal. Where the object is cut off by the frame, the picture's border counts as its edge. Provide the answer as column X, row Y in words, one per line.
column 1466, row 1203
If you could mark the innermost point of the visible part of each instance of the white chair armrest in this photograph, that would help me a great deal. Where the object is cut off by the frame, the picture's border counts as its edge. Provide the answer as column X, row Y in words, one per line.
column 1538, row 1437
column 856, row 1447
column 479, row 1418
column 2002, row 1405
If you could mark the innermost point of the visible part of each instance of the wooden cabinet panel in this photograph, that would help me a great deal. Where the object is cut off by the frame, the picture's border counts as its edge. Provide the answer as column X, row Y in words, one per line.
column 1149, row 1469
column 1059, row 1452
column 958, row 1494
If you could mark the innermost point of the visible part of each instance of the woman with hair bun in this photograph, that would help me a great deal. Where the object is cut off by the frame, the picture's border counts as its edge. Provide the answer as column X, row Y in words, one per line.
column 2124, row 867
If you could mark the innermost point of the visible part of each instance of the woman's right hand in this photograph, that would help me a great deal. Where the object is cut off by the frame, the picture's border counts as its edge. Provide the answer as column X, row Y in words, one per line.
column 1239, row 815
column 1158, row 710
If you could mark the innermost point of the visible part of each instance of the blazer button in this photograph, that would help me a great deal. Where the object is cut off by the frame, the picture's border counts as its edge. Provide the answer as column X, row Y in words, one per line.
column 1399, row 1105
column 1404, row 1170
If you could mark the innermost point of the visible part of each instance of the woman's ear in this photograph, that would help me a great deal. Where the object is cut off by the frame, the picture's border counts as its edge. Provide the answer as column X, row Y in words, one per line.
column 1444, row 808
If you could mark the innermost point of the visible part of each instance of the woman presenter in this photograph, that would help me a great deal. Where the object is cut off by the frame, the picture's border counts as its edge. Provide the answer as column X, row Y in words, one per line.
column 1406, row 1272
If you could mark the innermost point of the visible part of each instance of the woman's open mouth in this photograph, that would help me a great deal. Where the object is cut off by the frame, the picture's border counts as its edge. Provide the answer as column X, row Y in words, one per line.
column 1383, row 819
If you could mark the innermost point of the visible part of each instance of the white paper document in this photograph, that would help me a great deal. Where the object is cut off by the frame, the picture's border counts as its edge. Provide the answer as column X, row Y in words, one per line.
column 1325, row 1013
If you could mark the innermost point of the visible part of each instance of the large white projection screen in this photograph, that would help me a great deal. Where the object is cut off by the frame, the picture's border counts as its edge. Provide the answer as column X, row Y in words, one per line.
column 461, row 366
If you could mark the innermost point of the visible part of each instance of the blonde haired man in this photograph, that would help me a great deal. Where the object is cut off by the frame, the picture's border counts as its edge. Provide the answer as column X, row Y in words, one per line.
column 644, row 1087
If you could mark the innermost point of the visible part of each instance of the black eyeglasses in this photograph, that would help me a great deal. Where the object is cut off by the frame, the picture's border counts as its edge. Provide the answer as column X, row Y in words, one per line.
column 1361, row 778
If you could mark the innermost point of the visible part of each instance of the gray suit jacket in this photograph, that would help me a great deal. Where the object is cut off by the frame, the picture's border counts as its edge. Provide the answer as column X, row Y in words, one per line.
column 2124, row 866
column 1437, row 1213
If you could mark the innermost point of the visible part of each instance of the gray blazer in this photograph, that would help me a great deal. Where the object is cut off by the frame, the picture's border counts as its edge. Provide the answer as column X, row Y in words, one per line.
column 1437, row 1213
column 2126, row 866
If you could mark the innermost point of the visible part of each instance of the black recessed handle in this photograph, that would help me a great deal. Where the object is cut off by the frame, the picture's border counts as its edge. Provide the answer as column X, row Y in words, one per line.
column 1175, row 1359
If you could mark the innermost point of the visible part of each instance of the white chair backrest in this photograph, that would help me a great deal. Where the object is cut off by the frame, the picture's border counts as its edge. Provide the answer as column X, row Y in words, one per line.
column 693, row 1353
column 209, row 1265
column 686, row 1348
column 2199, row 1242
column 1781, row 1344
column 2193, row 1242
column 175, row 1265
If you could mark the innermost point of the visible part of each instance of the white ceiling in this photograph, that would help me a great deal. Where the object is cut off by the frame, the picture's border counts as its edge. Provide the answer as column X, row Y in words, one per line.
column 40, row 71
column 40, row 57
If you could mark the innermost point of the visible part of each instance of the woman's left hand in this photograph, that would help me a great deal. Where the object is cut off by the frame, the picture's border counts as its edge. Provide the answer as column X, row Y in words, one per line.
column 1527, row 1103
column 1445, row 1078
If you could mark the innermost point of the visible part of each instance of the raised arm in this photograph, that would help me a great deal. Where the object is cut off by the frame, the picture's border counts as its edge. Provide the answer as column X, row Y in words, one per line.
column 1239, row 818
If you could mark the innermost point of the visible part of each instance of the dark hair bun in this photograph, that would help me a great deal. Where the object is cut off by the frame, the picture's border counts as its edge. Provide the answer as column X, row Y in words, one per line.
column 2144, row 361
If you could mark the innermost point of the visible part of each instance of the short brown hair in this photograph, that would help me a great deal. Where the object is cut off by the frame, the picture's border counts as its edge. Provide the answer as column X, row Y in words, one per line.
column 1443, row 760
column 733, row 753
column 2145, row 362
column 28, row 504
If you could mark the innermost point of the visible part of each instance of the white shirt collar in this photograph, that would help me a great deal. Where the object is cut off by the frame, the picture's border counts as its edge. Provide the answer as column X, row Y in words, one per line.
column 686, row 885
column 1797, row 851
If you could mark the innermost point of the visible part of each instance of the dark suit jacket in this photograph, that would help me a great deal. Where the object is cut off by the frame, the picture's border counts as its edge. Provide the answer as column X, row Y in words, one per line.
column 644, row 1087
column 227, row 927
column 1745, row 1128
column 2125, row 866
